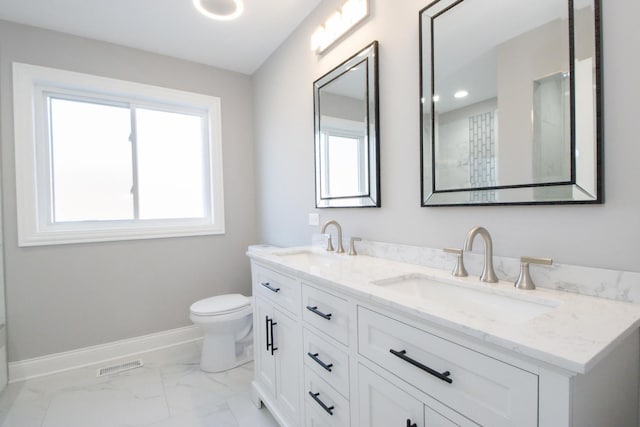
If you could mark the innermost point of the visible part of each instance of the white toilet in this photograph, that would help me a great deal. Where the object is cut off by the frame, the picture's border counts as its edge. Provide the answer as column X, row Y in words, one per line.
column 227, row 323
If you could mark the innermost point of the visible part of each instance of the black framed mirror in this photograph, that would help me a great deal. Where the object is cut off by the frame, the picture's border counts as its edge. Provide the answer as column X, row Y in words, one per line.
column 510, row 102
column 346, row 133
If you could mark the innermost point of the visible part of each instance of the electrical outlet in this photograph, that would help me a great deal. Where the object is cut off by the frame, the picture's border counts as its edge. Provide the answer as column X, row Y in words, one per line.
column 314, row 219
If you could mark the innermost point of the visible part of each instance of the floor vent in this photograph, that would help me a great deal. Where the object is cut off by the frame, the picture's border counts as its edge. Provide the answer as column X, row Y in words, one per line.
column 109, row 370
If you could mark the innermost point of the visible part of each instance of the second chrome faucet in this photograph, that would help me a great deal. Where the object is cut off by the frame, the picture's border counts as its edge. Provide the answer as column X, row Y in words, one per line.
column 488, row 274
column 340, row 249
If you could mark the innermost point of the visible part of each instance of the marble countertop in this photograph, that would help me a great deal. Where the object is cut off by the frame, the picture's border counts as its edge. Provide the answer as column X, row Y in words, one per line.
column 564, row 329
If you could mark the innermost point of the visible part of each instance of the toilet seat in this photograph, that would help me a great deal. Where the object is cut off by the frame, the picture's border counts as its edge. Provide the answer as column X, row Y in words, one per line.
column 220, row 305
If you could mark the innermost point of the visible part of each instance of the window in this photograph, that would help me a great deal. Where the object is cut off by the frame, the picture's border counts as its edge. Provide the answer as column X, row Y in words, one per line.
column 101, row 159
column 343, row 150
column 344, row 158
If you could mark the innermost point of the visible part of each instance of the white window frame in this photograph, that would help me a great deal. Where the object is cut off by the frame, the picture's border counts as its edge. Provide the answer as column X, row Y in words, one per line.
column 31, row 84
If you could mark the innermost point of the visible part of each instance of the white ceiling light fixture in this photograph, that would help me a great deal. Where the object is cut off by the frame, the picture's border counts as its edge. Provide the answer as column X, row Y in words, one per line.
column 220, row 10
column 349, row 15
column 461, row 94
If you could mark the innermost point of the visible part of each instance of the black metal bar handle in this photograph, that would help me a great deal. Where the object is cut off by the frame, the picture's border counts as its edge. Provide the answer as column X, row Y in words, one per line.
column 268, row 286
column 315, row 397
column 315, row 310
column 272, row 346
column 444, row 376
column 266, row 331
column 314, row 356
column 409, row 423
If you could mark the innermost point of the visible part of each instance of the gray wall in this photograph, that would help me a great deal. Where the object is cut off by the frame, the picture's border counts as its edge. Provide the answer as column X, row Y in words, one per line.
column 65, row 297
column 600, row 236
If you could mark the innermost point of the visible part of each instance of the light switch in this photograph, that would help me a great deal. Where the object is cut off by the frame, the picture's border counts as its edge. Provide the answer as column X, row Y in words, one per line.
column 314, row 219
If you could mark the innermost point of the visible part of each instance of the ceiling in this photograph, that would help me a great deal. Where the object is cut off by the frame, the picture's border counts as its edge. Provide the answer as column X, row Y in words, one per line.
column 171, row 27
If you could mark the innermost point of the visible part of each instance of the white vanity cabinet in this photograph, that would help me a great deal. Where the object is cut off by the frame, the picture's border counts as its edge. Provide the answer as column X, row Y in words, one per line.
column 382, row 404
column 327, row 326
column 277, row 343
column 486, row 390
column 327, row 355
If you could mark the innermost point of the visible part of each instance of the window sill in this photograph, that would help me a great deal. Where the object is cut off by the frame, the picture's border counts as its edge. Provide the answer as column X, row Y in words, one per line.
column 62, row 237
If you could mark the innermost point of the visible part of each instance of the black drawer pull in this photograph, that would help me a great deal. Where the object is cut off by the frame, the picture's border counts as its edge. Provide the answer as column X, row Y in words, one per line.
column 266, row 328
column 329, row 409
column 315, row 310
column 268, row 286
column 409, row 423
column 314, row 356
column 271, row 327
column 444, row 376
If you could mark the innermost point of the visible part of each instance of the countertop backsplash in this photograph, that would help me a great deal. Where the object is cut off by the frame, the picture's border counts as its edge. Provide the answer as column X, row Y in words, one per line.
column 598, row 282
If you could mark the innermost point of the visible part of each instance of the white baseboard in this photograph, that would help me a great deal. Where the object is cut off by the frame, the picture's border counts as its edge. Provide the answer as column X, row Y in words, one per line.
column 66, row 361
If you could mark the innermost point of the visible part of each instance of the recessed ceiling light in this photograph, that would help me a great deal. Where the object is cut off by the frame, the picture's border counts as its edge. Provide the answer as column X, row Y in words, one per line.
column 221, row 10
column 436, row 98
column 461, row 94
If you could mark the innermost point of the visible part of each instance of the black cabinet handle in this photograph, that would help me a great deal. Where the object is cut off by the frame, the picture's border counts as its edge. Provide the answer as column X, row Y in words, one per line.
column 266, row 331
column 272, row 323
column 444, row 376
column 409, row 423
column 268, row 286
column 315, row 310
column 314, row 356
column 315, row 397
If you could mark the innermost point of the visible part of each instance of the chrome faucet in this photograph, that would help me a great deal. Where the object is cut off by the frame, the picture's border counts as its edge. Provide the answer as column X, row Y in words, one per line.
column 340, row 249
column 488, row 275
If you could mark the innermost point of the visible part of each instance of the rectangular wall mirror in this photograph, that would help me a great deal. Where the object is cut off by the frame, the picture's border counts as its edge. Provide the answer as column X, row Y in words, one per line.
column 510, row 102
column 346, row 133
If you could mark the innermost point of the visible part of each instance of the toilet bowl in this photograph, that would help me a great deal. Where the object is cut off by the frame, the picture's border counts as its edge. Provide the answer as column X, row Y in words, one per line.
column 227, row 324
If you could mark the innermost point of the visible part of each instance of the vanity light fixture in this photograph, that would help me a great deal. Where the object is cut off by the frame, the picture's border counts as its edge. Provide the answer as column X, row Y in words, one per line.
column 461, row 94
column 341, row 21
column 218, row 10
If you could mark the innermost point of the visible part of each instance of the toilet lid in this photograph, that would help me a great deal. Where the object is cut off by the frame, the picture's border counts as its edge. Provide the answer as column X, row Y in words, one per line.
column 221, row 304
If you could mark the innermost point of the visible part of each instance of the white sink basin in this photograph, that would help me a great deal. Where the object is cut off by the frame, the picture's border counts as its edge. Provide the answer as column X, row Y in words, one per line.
column 312, row 259
column 486, row 303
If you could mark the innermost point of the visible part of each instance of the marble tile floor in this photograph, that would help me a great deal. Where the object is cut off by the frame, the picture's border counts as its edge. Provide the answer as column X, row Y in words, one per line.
column 169, row 391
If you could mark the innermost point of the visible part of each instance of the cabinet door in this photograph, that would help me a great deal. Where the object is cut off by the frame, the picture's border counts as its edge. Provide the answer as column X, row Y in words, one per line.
column 382, row 404
column 434, row 419
column 265, row 367
column 286, row 339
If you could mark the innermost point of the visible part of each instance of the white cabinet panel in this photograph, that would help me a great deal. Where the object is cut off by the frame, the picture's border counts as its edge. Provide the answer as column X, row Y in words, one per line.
column 384, row 405
column 287, row 359
column 327, row 360
column 482, row 388
column 327, row 404
column 328, row 313
column 265, row 368
column 277, row 361
column 280, row 288
column 434, row 419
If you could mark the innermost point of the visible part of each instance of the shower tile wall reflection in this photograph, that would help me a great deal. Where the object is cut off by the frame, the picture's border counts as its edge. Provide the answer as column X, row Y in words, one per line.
column 482, row 156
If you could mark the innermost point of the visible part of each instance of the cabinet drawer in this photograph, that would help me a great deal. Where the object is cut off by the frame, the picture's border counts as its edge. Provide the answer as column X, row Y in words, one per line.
column 327, row 361
column 277, row 287
column 326, row 312
column 324, row 405
column 482, row 388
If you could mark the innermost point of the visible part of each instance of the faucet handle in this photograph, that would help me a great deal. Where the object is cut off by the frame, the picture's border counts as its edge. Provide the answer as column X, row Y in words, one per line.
column 329, row 244
column 459, row 270
column 524, row 280
column 352, row 246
